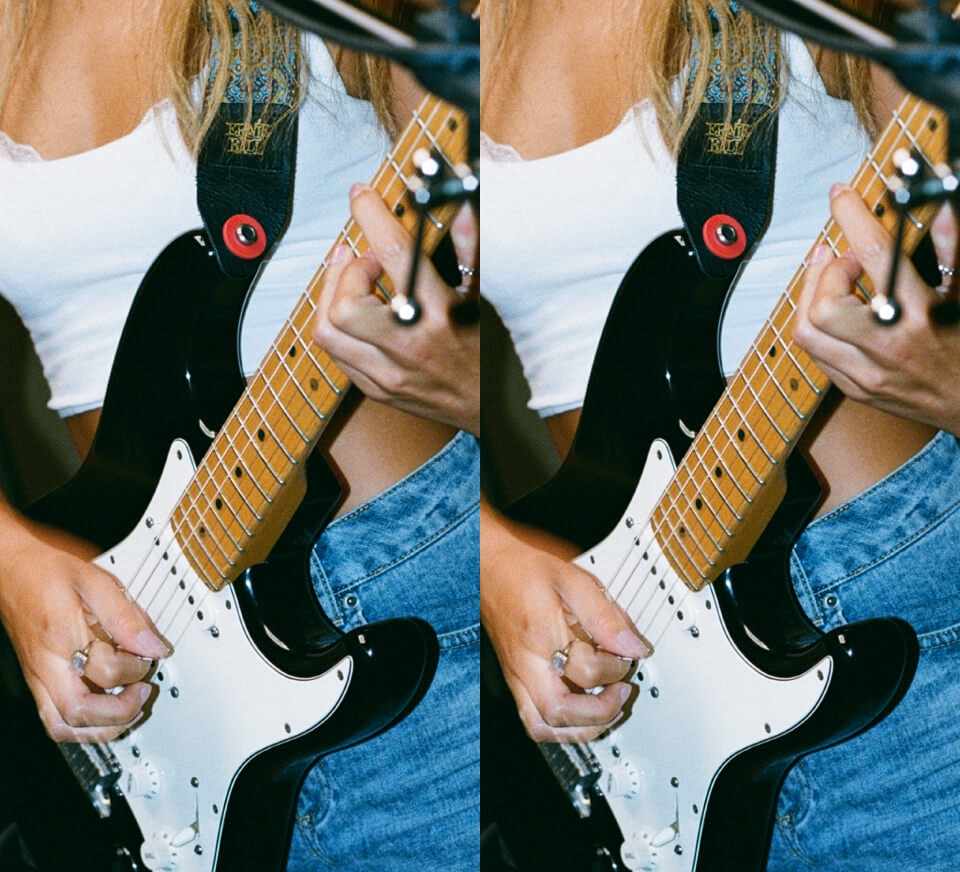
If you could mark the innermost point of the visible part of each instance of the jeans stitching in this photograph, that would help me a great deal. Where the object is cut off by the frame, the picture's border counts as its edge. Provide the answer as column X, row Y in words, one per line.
column 419, row 546
column 886, row 480
column 403, row 482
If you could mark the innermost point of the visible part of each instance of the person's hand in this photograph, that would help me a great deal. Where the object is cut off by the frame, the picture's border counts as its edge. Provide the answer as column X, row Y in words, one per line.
column 910, row 368
column 431, row 368
column 533, row 603
column 54, row 604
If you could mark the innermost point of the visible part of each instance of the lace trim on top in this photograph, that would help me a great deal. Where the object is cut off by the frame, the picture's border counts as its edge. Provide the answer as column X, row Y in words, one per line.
column 17, row 151
column 500, row 151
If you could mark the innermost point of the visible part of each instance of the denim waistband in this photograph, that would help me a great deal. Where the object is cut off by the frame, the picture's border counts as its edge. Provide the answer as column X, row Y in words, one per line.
column 404, row 519
column 885, row 518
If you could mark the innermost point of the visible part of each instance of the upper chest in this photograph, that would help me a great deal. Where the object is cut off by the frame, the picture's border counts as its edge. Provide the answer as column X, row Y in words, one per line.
column 564, row 78
column 87, row 76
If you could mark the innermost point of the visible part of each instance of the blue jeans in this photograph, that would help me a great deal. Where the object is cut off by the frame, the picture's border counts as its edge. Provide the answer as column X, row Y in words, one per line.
column 409, row 799
column 889, row 799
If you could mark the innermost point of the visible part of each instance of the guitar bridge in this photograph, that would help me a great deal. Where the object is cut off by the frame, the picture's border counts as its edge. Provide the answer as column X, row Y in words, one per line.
column 97, row 769
column 577, row 769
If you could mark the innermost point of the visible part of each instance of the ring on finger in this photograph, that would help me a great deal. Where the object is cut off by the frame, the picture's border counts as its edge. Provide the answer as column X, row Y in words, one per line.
column 946, row 271
column 559, row 658
column 468, row 272
column 80, row 658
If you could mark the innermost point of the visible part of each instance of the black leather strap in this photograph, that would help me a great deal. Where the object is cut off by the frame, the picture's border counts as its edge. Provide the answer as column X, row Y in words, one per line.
column 725, row 168
column 246, row 164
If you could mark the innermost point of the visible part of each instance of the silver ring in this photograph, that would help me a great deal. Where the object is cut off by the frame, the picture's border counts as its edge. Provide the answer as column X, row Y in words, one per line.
column 946, row 271
column 559, row 658
column 79, row 659
column 466, row 271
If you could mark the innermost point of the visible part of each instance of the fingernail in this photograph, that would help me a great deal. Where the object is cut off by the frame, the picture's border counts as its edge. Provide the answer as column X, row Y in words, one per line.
column 152, row 645
column 340, row 253
column 144, row 693
column 356, row 190
column 837, row 189
column 632, row 645
column 820, row 253
column 624, row 693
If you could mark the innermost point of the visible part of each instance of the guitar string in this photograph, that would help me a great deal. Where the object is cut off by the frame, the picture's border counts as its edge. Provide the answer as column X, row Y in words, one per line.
column 772, row 319
column 425, row 132
column 685, row 476
column 669, row 597
column 264, row 382
column 187, row 598
column 410, row 147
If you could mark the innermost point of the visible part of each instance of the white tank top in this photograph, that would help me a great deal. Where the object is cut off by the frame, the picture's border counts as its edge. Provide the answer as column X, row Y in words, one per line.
column 79, row 232
column 558, row 233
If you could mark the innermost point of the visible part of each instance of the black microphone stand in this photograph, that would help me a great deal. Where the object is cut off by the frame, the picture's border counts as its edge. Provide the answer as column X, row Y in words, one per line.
column 923, row 53
column 442, row 50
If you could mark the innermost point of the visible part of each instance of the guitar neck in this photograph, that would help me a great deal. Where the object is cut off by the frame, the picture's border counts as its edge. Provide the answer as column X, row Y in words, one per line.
column 258, row 456
column 731, row 478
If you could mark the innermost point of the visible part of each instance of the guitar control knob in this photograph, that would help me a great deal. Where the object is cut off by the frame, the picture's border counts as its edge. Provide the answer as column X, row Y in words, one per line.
column 638, row 853
column 142, row 779
column 159, row 853
column 621, row 779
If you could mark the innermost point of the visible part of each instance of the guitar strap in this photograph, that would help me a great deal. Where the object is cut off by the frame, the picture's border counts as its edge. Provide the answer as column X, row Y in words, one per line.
column 246, row 163
column 726, row 163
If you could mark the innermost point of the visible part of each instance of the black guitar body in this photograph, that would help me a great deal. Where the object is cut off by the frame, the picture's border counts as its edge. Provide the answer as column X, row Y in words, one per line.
column 656, row 376
column 177, row 376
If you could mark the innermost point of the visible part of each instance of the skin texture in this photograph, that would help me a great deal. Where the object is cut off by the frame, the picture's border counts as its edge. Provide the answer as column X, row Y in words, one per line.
column 533, row 600
column 910, row 369
column 86, row 79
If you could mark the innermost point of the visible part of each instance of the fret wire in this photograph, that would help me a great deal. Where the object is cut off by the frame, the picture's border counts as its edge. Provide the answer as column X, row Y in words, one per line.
column 201, row 504
column 747, row 457
column 680, row 484
column 264, row 420
column 259, row 446
column 193, row 549
column 722, row 465
column 770, row 430
column 303, row 436
column 742, row 418
column 771, row 377
column 292, row 379
column 704, row 501
column 320, row 366
column 686, row 508
column 233, row 511
column 767, row 415
column 799, row 364
column 744, row 460
column 196, row 541
column 701, row 463
column 248, row 475
column 676, row 541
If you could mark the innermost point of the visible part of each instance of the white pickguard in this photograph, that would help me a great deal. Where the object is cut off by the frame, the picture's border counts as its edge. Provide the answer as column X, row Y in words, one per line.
column 220, row 701
column 700, row 701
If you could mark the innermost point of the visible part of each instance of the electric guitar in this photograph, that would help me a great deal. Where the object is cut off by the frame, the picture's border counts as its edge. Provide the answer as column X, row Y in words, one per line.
column 740, row 684
column 260, row 683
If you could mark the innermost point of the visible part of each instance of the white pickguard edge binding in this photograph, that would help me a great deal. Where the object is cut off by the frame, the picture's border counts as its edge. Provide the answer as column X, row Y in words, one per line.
column 220, row 700
column 700, row 702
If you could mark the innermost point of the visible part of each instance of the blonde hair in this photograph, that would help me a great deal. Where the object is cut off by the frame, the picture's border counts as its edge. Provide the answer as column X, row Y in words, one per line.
column 670, row 30
column 189, row 31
